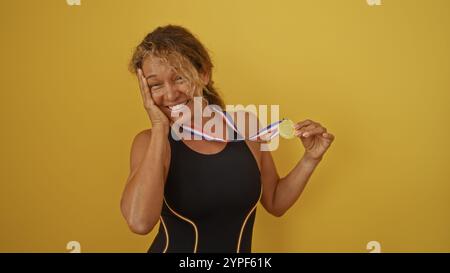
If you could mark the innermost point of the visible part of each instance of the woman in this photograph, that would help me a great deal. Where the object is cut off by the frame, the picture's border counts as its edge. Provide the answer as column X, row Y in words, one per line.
column 203, row 193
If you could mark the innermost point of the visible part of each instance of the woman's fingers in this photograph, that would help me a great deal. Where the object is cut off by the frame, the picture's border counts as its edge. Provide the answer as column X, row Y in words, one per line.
column 141, row 86
column 301, row 124
column 303, row 129
column 145, row 91
column 315, row 131
column 144, row 87
column 328, row 136
column 309, row 130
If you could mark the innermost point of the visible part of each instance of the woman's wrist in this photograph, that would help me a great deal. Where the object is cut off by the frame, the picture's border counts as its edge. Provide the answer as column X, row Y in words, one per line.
column 160, row 128
column 310, row 161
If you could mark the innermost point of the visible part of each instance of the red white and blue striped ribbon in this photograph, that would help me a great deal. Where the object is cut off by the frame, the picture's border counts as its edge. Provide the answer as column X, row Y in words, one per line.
column 271, row 130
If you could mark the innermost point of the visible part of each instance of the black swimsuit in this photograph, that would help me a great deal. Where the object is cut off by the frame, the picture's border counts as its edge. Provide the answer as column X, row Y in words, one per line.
column 209, row 200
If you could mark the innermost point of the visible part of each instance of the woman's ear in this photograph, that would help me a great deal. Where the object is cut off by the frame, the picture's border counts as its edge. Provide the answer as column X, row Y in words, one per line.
column 205, row 78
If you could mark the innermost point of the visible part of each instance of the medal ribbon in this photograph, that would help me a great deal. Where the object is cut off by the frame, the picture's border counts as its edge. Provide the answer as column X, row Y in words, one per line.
column 272, row 129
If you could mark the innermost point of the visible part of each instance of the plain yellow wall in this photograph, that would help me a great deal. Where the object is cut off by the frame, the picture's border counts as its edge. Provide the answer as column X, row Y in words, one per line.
column 376, row 76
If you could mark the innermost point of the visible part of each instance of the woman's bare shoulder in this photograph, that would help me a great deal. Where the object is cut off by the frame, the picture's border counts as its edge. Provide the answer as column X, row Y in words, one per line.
column 142, row 138
column 138, row 147
column 144, row 134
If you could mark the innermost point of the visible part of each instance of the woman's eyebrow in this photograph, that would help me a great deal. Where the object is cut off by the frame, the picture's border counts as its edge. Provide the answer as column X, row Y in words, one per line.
column 149, row 76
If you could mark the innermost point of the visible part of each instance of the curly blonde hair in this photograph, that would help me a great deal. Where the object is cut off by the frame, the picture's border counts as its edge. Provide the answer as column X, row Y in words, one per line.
column 181, row 50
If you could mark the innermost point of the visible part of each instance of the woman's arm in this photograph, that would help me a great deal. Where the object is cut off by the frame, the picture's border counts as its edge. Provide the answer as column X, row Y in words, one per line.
column 143, row 195
column 280, row 194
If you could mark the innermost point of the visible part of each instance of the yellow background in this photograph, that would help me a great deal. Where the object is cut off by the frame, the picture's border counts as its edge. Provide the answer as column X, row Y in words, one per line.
column 375, row 76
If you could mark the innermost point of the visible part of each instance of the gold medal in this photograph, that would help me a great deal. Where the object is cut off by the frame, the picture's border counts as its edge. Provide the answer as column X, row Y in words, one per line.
column 286, row 129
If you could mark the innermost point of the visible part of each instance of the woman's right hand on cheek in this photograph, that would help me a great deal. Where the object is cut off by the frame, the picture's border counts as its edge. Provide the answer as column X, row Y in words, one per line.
column 157, row 117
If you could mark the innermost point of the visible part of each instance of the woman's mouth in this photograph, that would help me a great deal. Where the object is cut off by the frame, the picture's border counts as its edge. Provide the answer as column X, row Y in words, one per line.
column 177, row 107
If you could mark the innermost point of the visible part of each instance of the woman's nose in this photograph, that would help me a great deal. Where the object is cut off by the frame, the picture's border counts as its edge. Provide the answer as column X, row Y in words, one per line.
column 172, row 92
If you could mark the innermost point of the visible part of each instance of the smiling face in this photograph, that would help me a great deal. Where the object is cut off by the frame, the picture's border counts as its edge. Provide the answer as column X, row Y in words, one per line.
column 170, row 90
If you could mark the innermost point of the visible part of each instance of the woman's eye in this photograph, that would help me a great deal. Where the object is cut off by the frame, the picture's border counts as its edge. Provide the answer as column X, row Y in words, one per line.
column 155, row 86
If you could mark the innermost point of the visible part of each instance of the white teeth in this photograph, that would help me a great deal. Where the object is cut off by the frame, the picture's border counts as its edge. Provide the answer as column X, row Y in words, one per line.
column 177, row 107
